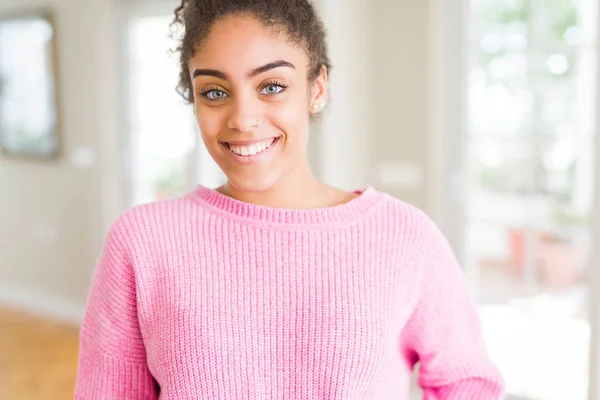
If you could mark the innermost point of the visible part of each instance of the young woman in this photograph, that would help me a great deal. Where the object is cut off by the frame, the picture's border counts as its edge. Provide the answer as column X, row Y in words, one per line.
column 275, row 285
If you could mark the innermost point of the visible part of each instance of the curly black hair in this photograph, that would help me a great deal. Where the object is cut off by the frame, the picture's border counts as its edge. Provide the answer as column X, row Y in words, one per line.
column 296, row 19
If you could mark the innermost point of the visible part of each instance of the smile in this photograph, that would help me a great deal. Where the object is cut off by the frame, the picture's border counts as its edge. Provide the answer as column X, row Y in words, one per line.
column 251, row 149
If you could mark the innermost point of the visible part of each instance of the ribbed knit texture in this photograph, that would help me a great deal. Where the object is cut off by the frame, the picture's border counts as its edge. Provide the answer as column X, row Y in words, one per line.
column 207, row 297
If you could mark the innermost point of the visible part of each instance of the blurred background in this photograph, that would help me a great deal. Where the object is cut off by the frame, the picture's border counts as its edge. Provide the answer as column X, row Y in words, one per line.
column 481, row 112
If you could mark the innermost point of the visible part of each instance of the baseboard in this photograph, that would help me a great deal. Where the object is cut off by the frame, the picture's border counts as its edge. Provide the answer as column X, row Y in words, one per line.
column 41, row 304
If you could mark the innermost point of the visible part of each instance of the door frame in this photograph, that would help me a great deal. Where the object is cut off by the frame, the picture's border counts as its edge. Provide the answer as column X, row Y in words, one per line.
column 448, row 69
column 594, row 256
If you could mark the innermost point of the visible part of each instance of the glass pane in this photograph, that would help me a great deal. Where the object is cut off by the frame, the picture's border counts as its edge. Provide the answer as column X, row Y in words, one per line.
column 531, row 92
column 167, row 154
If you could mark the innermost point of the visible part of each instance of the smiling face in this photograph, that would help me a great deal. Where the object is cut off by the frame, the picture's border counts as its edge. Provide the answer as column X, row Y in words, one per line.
column 252, row 100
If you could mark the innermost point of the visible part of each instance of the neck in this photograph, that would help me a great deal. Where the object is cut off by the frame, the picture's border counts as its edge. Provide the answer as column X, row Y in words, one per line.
column 300, row 189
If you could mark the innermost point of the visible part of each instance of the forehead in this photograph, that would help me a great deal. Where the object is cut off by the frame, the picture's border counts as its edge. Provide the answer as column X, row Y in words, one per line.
column 237, row 44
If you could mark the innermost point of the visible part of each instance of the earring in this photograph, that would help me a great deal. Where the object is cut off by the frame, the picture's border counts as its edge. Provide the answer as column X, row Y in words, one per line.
column 316, row 107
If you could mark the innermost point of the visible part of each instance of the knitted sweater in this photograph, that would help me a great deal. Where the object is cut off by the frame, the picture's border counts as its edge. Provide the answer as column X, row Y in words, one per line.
column 208, row 297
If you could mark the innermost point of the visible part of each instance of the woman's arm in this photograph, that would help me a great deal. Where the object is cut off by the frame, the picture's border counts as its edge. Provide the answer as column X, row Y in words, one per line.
column 444, row 331
column 112, row 357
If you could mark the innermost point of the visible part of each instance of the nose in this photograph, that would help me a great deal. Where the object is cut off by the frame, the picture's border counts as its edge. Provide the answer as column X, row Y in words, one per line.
column 244, row 117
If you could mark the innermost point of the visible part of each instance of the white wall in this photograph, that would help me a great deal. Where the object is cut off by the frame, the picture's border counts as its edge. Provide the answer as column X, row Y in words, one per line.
column 399, row 96
column 379, row 85
column 53, row 215
column 342, row 135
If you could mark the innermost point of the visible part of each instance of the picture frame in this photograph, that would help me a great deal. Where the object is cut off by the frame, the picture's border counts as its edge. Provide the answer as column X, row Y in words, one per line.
column 29, row 114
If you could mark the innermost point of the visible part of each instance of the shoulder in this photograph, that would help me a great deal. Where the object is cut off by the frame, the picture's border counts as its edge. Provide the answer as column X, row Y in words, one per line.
column 424, row 247
column 418, row 239
column 150, row 221
column 424, row 242
column 408, row 219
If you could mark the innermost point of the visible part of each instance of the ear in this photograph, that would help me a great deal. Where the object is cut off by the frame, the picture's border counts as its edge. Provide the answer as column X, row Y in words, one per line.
column 318, row 92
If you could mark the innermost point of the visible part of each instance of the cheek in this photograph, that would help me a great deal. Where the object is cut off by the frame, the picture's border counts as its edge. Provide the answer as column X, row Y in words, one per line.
column 210, row 125
column 292, row 120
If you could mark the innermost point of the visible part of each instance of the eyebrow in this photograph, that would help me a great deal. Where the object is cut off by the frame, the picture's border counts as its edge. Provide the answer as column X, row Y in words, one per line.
column 252, row 74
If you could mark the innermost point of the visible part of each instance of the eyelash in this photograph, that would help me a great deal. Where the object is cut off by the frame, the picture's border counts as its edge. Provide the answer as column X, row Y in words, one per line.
column 282, row 85
column 204, row 93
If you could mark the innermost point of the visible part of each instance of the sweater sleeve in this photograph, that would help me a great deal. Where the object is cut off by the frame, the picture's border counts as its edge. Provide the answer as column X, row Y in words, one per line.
column 444, row 332
column 112, row 356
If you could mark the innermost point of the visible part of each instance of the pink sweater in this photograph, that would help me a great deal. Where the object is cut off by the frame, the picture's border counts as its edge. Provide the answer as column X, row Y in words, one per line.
column 207, row 297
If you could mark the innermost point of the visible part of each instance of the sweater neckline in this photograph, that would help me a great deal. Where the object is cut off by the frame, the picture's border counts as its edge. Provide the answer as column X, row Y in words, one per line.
column 338, row 214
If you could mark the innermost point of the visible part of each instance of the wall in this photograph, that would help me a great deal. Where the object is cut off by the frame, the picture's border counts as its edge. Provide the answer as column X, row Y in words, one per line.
column 53, row 214
column 343, row 140
column 379, row 109
column 399, row 93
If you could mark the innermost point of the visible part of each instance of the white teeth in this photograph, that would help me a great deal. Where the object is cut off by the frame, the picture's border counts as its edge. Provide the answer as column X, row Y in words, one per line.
column 252, row 149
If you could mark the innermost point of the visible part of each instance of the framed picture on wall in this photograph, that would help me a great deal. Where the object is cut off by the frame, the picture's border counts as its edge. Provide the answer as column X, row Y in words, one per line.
column 28, row 88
